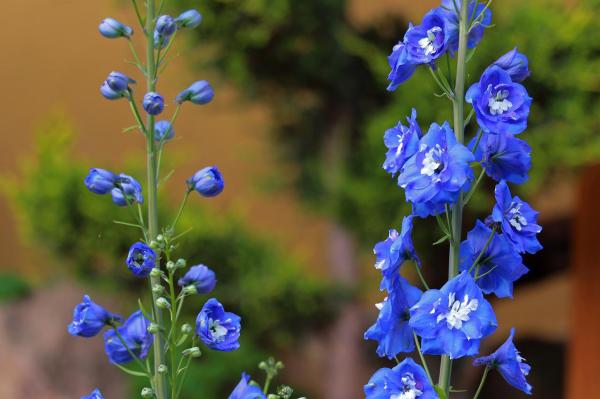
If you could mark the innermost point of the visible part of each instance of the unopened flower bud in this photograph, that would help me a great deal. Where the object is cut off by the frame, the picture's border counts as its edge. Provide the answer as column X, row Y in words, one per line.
column 113, row 29
column 158, row 289
column 189, row 19
column 190, row 290
column 160, row 238
column 100, row 181
column 162, row 369
column 181, row 263
column 147, row 393
column 163, row 303
column 163, row 131
column 200, row 92
column 153, row 328
column 155, row 272
column 208, row 182
column 194, row 351
column 186, row 329
column 154, row 244
column 170, row 266
column 153, row 103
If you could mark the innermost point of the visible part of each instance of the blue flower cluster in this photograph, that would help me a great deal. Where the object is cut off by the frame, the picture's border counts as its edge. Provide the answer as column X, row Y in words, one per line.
column 436, row 172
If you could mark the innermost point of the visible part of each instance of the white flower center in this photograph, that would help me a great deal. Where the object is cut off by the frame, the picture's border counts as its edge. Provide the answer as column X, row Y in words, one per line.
column 217, row 331
column 458, row 312
column 409, row 388
column 432, row 161
column 426, row 43
column 499, row 104
column 400, row 144
column 516, row 218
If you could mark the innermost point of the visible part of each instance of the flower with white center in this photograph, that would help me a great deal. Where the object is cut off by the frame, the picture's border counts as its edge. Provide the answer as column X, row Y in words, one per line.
column 428, row 43
column 218, row 329
column 432, row 161
column 407, row 380
column 402, row 143
column 499, row 104
column 454, row 319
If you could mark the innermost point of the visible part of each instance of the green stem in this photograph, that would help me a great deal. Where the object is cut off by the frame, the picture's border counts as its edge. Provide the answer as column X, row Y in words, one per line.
column 483, row 378
column 459, row 130
column 474, row 188
column 423, row 281
column 485, row 247
column 160, row 379
column 423, row 362
column 180, row 211
column 136, row 113
column 133, row 355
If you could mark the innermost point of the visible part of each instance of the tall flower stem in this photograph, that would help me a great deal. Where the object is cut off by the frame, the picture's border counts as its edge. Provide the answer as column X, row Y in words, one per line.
column 458, row 103
column 160, row 379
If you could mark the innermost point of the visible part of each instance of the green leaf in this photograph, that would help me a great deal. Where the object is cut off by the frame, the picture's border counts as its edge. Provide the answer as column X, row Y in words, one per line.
column 441, row 240
column 440, row 391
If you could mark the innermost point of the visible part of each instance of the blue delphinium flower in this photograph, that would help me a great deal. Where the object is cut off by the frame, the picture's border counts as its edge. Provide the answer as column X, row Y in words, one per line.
column 435, row 175
column 426, row 42
column 89, row 318
column 218, row 329
column 391, row 330
column 207, row 181
column 402, row 143
column 134, row 332
column 516, row 64
column 509, row 363
column 189, row 19
column 449, row 11
column 127, row 192
column 163, row 131
column 503, row 156
column 517, row 219
column 394, row 251
column 100, row 181
column 116, row 86
column 501, row 106
column 402, row 67
column 153, row 103
column 407, row 380
column 498, row 264
column 165, row 27
column 113, row 29
column 201, row 278
column 200, row 92
column 141, row 259
column 245, row 390
column 454, row 319
column 96, row 394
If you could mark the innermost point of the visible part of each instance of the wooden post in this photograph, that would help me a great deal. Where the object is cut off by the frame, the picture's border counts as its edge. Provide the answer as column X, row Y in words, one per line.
column 584, row 347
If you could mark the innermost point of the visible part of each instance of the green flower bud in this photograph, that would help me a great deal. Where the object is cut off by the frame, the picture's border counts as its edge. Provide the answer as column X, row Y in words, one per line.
column 158, row 289
column 153, row 244
column 162, row 369
column 181, row 263
column 147, row 393
column 163, row 303
column 153, row 328
column 187, row 329
column 155, row 272
column 190, row 289
column 160, row 238
column 194, row 351
column 170, row 266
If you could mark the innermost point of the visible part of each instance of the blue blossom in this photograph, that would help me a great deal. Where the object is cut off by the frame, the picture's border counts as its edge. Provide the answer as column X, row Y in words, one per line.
column 435, row 175
column 134, row 333
column 402, row 68
column 100, row 181
column 165, row 27
column 189, row 19
column 509, row 363
column 394, row 251
column 141, row 259
column 501, row 105
column 515, row 64
column 245, row 390
column 116, row 86
column 96, row 394
column 127, row 192
column 498, row 264
column 407, row 380
column 454, row 319
column 391, row 330
column 483, row 14
column 517, row 219
column 207, row 181
column 218, row 329
column 200, row 92
column 89, row 318
column 153, row 103
column 163, row 131
column 402, row 143
column 503, row 156
column 201, row 278
column 426, row 42
column 113, row 29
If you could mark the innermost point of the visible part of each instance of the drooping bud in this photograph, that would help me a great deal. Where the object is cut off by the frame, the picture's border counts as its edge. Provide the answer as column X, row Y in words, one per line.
column 113, row 29
column 189, row 19
column 208, row 181
column 200, row 92
column 163, row 303
column 186, row 329
column 163, row 131
column 147, row 393
column 194, row 351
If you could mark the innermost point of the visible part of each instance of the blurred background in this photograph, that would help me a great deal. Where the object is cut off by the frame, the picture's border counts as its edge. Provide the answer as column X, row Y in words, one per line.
column 296, row 128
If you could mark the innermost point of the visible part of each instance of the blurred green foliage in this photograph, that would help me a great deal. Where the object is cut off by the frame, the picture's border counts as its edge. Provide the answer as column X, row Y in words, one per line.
column 12, row 286
column 324, row 78
column 277, row 300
